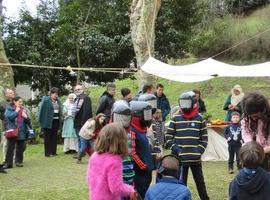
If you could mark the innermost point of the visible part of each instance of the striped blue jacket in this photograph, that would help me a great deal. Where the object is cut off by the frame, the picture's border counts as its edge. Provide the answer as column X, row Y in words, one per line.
column 187, row 138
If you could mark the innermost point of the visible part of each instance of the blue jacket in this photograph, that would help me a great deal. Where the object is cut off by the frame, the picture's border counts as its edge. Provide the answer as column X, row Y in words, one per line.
column 164, row 105
column 187, row 138
column 11, row 116
column 168, row 188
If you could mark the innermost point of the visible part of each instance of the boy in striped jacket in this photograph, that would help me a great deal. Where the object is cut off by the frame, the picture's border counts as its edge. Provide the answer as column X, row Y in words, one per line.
column 187, row 138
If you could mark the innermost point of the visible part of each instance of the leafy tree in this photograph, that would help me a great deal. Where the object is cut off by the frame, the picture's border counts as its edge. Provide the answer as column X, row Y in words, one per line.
column 30, row 41
column 174, row 27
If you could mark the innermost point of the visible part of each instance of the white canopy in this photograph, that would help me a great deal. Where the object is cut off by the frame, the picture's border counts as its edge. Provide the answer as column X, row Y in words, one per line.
column 203, row 70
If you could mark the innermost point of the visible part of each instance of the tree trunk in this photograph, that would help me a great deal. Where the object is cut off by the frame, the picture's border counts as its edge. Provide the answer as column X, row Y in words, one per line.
column 6, row 72
column 142, row 22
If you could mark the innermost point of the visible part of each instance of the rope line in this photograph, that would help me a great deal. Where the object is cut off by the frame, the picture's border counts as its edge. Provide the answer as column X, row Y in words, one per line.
column 241, row 42
column 91, row 69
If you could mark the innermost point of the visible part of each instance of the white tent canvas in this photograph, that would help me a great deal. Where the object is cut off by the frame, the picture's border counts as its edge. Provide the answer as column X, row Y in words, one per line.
column 203, row 70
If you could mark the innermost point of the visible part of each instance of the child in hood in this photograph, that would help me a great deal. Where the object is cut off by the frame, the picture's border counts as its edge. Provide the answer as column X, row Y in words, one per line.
column 252, row 182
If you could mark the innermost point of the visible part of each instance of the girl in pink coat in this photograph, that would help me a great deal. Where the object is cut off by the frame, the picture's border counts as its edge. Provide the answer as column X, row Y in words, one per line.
column 104, row 172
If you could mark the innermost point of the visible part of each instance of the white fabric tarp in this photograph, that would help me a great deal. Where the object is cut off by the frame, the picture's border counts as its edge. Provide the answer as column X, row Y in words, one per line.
column 203, row 70
column 217, row 148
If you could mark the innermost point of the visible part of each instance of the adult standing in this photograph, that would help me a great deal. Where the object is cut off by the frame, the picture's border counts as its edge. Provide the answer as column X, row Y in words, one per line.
column 106, row 101
column 256, row 123
column 233, row 102
column 68, row 133
column 162, row 101
column 201, row 104
column 83, row 110
column 50, row 112
column 9, row 96
column 17, row 117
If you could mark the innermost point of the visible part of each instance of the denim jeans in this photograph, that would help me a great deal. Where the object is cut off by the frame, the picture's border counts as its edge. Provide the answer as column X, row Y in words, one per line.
column 77, row 130
column 84, row 145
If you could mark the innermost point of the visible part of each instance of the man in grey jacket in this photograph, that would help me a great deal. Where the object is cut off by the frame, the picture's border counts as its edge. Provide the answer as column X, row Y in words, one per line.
column 9, row 95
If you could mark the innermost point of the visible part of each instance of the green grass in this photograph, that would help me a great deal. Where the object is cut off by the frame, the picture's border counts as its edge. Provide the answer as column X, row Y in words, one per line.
column 60, row 178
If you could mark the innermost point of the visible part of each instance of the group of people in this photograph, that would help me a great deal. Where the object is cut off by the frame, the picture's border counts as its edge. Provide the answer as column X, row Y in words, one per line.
column 126, row 138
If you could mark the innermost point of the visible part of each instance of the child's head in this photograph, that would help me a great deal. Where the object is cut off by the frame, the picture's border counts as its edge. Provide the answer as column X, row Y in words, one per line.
column 235, row 117
column 112, row 139
column 169, row 166
column 251, row 155
column 157, row 115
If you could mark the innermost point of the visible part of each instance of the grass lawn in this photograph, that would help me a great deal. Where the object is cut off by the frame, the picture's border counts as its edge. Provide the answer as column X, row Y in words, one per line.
column 60, row 178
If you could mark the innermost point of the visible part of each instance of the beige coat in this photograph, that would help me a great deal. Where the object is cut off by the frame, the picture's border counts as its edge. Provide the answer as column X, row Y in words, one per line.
column 87, row 131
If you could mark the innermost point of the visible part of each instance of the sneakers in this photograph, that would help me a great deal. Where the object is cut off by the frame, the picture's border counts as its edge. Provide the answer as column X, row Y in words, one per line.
column 7, row 166
column 230, row 171
column 19, row 165
column 76, row 156
column 2, row 169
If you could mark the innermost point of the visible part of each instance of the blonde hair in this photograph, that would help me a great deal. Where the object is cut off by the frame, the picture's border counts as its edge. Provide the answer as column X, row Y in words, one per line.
column 112, row 139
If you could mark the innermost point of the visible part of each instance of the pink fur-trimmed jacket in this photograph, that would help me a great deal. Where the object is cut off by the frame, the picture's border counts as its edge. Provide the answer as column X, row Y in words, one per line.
column 248, row 136
column 104, row 177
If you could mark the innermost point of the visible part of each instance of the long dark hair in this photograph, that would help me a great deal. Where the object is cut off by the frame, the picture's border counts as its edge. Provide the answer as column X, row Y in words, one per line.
column 17, row 98
column 97, row 124
column 256, row 103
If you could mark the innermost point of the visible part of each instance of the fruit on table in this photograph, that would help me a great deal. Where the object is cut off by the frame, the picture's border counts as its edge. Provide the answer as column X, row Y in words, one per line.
column 218, row 122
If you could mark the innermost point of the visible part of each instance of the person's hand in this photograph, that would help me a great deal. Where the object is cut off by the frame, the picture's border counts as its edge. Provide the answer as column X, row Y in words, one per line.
column 230, row 106
column 134, row 196
column 229, row 139
column 24, row 115
column 17, row 109
column 266, row 149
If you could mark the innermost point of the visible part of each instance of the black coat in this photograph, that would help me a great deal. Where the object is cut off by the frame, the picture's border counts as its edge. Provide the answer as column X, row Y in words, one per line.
column 106, row 102
column 250, row 187
column 84, row 113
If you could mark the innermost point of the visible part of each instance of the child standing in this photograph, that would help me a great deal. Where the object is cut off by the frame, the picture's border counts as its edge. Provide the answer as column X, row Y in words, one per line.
column 141, row 151
column 252, row 182
column 187, row 138
column 158, row 128
column 104, row 172
column 232, row 133
column 121, row 114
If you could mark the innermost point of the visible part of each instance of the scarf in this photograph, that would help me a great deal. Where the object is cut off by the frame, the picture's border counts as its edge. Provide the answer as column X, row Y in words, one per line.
column 19, row 118
column 79, row 102
column 235, row 99
column 191, row 114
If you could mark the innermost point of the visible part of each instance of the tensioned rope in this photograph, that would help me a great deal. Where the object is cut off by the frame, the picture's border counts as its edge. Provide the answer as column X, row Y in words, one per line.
column 241, row 42
column 110, row 70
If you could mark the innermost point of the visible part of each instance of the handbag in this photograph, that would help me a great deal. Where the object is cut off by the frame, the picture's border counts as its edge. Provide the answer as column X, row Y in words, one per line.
column 12, row 133
column 31, row 134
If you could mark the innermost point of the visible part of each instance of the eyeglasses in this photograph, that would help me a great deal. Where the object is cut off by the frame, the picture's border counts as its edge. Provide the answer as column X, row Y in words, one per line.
column 76, row 90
